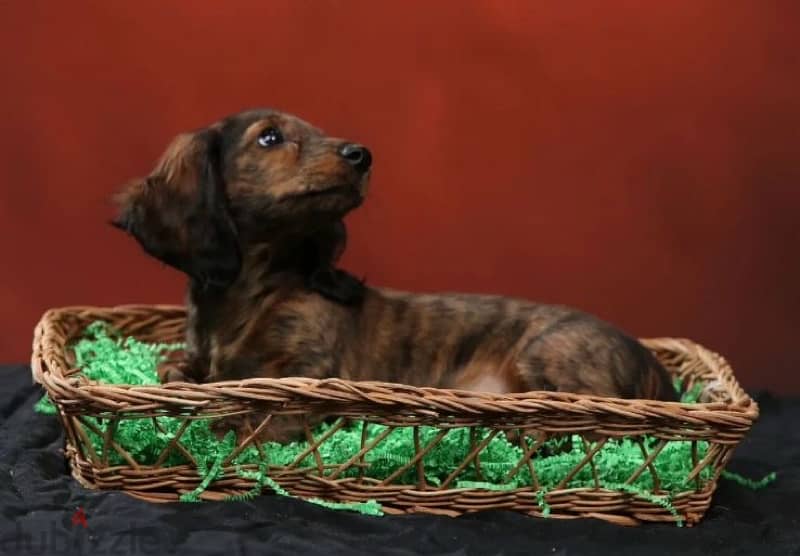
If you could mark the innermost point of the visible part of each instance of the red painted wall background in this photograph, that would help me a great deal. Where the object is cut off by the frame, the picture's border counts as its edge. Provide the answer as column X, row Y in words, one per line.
column 636, row 159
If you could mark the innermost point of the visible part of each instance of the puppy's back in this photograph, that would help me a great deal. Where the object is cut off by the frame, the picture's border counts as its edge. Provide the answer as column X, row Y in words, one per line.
column 502, row 344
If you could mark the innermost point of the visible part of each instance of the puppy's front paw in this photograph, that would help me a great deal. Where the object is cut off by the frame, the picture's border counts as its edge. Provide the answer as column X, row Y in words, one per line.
column 171, row 371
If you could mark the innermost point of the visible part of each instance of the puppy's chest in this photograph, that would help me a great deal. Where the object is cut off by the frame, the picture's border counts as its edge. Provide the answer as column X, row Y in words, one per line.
column 298, row 327
column 290, row 337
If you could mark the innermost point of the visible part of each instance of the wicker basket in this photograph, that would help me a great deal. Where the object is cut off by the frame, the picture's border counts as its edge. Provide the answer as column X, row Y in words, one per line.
column 722, row 422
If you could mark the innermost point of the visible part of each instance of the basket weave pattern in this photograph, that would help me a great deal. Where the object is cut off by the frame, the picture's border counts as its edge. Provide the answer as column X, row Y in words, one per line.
column 722, row 421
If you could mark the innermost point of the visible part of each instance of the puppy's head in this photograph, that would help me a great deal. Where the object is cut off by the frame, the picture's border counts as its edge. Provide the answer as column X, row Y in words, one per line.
column 252, row 178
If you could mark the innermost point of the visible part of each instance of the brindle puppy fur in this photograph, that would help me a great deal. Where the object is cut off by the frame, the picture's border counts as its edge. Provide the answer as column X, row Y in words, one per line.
column 251, row 209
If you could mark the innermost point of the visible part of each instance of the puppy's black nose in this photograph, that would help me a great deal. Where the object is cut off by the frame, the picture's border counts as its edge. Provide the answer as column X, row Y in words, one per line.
column 357, row 155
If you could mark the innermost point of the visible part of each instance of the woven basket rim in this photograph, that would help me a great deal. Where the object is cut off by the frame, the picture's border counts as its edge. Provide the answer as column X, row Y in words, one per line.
column 55, row 377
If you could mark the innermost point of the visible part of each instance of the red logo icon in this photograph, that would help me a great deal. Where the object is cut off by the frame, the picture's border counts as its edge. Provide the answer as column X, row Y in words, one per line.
column 79, row 518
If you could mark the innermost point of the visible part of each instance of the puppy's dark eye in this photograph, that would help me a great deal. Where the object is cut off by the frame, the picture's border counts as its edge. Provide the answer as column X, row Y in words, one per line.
column 270, row 137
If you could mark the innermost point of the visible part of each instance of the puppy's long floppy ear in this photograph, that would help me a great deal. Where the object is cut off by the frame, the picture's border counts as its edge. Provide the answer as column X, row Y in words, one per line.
column 179, row 213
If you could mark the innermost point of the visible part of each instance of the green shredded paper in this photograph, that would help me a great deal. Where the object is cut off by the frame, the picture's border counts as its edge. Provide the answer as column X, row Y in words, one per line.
column 105, row 356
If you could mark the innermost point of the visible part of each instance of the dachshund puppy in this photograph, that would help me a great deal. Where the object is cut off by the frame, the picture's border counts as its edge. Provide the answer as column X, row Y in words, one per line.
column 251, row 209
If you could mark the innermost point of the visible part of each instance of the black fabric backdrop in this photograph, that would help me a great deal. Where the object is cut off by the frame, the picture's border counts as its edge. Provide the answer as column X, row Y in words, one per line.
column 39, row 500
